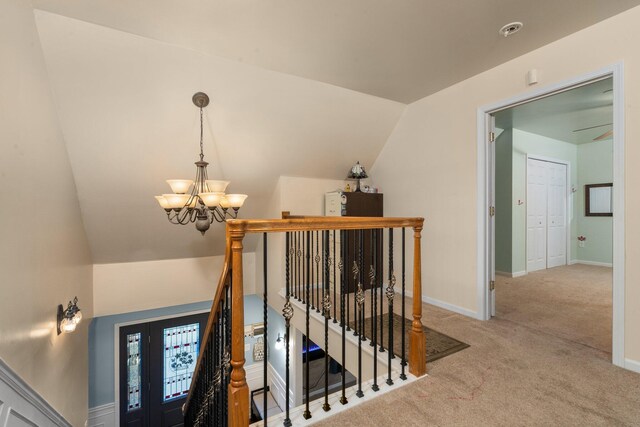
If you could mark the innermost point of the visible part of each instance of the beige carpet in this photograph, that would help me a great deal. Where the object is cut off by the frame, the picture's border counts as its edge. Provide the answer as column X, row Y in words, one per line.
column 511, row 375
column 571, row 302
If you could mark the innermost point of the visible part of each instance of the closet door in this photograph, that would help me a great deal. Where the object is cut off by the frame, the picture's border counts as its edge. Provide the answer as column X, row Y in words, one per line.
column 556, row 215
column 536, row 215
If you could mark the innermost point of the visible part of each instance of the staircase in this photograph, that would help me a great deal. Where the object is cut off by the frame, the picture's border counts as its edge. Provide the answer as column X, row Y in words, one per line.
column 337, row 296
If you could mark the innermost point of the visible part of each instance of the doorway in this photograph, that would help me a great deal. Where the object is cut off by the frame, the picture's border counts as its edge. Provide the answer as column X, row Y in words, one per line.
column 156, row 361
column 487, row 182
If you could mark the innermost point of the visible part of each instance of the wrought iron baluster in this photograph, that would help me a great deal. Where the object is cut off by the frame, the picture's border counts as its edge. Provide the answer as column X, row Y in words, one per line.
column 318, row 289
column 374, row 311
column 343, row 321
column 359, row 300
column 299, row 263
column 227, row 357
column 347, row 263
column 326, row 308
column 403, row 361
column 307, row 413
column 390, row 295
column 333, row 261
column 379, row 280
column 357, row 255
column 287, row 313
column 265, row 319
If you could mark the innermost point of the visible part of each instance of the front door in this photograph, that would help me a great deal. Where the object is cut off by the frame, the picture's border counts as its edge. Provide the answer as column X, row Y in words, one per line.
column 157, row 360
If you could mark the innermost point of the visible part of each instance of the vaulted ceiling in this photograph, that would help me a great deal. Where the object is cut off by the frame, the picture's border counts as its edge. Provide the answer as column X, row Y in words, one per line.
column 297, row 88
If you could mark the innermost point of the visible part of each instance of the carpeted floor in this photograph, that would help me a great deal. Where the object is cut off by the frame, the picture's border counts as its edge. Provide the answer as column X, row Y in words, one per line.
column 511, row 375
column 571, row 302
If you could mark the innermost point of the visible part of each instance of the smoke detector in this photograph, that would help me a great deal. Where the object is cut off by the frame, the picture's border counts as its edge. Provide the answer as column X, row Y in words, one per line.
column 511, row 28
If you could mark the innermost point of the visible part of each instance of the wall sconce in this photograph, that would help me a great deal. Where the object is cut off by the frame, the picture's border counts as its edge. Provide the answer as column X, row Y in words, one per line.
column 68, row 319
column 279, row 345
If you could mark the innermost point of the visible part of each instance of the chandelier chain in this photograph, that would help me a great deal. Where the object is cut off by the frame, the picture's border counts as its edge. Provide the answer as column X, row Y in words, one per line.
column 201, row 137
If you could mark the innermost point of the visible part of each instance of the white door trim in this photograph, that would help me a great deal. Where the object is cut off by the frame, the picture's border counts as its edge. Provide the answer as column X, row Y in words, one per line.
column 116, row 346
column 483, row 169
column 568, row 201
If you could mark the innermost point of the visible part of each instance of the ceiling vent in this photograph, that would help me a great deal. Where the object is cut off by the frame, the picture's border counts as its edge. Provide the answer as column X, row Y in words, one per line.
column 511, row 28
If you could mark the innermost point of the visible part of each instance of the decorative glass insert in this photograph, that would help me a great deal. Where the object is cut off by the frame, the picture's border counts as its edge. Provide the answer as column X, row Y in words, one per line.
column 134, row 371
column 181, row 345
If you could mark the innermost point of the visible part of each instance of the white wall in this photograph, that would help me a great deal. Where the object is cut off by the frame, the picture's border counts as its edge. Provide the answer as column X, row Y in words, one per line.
column 428, row 166
column 136, row 286
column 44, row 255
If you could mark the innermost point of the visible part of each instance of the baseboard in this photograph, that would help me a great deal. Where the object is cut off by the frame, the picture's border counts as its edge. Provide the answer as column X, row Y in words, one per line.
column 20, row 402
column 597, row 263
column 102, row 416
column 508, row 274
column 445, row 305
column 632, row 365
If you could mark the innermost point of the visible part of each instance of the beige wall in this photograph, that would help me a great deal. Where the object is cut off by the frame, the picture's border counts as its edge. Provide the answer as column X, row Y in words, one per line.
column 44, row 255
column 428, row 166
column 134, row 286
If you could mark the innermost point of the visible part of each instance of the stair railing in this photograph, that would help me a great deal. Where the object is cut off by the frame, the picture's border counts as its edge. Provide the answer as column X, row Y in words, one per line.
column 219, row 394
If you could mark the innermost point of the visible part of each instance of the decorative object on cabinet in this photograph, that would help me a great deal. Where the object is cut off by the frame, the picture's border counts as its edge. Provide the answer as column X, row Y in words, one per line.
column 357, row 172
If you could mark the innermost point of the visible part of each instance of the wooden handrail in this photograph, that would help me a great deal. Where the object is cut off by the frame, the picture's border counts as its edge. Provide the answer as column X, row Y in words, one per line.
column 238, row 391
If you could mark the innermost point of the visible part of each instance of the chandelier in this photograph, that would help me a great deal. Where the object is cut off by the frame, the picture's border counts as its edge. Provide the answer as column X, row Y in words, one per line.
column 202, row 200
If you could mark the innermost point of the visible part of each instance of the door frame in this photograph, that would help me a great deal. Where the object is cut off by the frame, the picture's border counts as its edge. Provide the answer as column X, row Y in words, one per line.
column 485, row 191
column 567, row 200
column 116, row 358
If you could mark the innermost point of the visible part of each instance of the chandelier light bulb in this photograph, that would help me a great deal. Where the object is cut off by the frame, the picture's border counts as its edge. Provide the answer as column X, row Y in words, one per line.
column 216, row 186
column 236, row 200
column 211, row 199
column 164, row 203
column 67, row 326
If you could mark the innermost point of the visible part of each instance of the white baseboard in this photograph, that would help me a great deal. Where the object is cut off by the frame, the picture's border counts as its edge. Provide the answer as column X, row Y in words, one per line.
column 632, row 365
column 102, row 416
column 21, row 405
column 600, row 264
column 442, row 304
column 508, row 274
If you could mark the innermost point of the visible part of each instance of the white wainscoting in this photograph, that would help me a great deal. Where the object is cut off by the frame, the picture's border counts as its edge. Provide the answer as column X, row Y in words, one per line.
column 103, row 416
column 277, row 386
column 21, row 406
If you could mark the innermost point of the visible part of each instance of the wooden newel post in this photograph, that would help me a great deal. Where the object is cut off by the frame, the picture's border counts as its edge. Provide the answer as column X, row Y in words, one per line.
column 238, row 388
column 417, row 343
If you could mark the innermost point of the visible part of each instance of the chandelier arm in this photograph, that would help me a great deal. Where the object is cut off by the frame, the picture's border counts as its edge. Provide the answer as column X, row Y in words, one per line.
column 217, row 215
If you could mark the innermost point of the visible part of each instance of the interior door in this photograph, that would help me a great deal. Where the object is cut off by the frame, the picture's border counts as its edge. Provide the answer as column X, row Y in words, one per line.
column 492, row 218
column 536, row 214
column 157, row 360
column 556, row 215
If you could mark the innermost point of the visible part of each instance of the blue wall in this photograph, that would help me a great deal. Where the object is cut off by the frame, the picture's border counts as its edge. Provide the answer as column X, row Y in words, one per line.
column 102, row 351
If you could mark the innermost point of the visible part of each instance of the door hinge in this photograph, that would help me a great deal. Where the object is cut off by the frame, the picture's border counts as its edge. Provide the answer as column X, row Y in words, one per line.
column 492, row 285
column 492, row 136
column 492, row 210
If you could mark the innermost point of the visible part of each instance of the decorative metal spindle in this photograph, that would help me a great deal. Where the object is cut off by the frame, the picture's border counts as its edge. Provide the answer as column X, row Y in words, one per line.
column 347, row 263
column 333, row 259
column 343, row 321
column 372, row 281
column 307, row 413
column 390, row 294
column 359, row 299
column 287, row 313
column 318, row 288
column 312, row 255
column 403, row 361
column 379, row 284
column 326, row 309
column 298, row 262
column 265, row 319
column 358, row 261
column 227, row 356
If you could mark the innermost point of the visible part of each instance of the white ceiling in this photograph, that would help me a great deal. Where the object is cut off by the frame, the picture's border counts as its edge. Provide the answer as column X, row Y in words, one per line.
column 576, row 116
column 124, row 103
column 300, row 88
column 396, row 49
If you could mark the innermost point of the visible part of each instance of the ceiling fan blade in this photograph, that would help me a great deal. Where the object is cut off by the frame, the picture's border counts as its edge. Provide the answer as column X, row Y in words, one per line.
column 605, row 135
